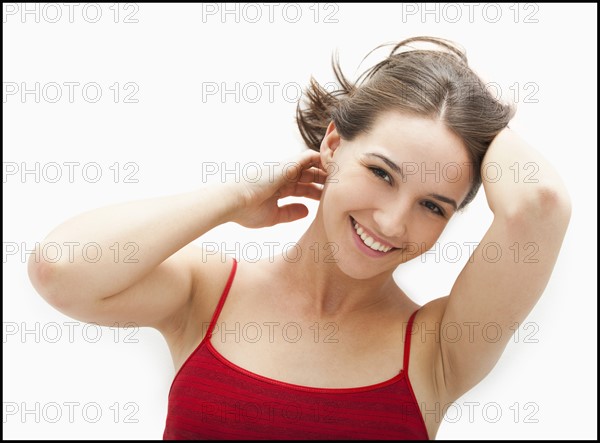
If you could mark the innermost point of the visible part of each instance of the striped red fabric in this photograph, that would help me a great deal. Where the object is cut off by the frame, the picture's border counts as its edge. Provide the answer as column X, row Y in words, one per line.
column 212, row 398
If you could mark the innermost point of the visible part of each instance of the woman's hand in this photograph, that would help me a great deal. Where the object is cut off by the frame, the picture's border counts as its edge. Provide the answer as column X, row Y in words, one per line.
column 299, row 176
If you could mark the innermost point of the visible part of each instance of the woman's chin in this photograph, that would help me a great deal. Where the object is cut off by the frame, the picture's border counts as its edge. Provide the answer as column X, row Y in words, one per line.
column 355, row 266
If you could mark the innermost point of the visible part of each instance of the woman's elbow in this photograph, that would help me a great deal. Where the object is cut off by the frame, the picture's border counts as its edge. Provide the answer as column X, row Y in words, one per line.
column 44, row 277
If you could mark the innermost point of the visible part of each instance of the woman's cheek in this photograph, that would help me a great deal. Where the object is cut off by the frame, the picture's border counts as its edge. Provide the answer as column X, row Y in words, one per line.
column 351, row 193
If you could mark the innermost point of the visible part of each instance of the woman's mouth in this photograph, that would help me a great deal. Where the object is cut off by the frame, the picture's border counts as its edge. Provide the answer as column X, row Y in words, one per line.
column 368, row 244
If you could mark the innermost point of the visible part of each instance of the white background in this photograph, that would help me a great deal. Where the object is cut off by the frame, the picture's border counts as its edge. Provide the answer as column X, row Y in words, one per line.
column 545, row 384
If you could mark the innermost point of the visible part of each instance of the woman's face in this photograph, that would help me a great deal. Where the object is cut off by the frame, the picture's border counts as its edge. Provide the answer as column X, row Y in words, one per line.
column 401, row 183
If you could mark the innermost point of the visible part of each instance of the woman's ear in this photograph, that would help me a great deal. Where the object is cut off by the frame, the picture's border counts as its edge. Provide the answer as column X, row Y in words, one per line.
column 330, row 143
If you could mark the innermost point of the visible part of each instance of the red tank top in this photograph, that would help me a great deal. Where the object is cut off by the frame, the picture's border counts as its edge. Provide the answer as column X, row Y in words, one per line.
column 212, row 398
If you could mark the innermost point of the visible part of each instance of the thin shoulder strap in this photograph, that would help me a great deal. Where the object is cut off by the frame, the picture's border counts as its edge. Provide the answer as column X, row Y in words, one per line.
column 407, row 341
column 213, row 321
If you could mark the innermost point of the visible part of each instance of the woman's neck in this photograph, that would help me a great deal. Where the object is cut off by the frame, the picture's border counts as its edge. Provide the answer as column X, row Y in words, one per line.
column 325, row 291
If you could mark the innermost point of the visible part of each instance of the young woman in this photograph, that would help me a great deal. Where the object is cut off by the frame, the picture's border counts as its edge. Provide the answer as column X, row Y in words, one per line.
column 330, row 346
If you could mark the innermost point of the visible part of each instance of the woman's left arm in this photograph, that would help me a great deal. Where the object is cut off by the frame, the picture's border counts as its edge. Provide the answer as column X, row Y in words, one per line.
column 509, row 270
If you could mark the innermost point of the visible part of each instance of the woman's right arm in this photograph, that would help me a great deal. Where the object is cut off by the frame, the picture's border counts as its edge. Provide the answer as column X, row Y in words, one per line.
column 148, row 272
column 140, row 276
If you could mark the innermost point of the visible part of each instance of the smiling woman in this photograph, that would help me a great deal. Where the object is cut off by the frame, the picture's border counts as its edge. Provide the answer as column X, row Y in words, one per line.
column 397, row 205
column 392, row 159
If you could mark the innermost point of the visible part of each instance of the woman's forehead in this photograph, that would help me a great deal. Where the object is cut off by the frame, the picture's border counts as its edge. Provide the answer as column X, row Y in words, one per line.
column 414, row 139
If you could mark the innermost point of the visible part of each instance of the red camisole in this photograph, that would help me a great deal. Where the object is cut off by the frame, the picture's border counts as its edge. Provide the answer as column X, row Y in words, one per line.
column 212, row 398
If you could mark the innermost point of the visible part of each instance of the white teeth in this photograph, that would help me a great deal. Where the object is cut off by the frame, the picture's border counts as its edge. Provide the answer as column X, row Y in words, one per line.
column 369, row 241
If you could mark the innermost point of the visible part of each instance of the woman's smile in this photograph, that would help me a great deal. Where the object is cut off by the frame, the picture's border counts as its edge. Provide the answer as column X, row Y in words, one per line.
column 366, row 243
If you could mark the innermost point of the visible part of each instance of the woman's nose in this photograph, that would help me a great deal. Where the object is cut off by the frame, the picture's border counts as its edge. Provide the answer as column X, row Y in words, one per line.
column 392, row 223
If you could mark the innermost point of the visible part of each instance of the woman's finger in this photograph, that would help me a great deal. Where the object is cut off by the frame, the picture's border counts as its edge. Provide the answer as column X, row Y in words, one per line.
column 295, row 166
column 313, row 175
column 309, row 190
column 291, row 212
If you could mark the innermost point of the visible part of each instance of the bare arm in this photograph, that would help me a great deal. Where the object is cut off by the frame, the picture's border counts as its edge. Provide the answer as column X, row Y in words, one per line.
column 157, row 273
column 509, row 270
column 133, row 239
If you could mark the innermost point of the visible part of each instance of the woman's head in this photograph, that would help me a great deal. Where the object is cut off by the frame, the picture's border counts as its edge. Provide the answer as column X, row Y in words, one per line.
column 403, row 149
column 435, row 84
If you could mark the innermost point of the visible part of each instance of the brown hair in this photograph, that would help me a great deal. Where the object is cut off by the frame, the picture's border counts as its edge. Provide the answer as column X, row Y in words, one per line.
column 430, row 83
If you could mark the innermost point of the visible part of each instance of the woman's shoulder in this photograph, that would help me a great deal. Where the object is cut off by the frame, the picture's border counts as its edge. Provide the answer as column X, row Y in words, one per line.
column 433, row 310
column 427, row 331
column 211, row 273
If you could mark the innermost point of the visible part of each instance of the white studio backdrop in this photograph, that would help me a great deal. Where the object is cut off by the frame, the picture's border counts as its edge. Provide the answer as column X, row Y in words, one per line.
column 106, row 103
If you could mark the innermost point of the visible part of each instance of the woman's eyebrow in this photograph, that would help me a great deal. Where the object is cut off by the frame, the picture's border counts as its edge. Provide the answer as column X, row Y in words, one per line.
column 445, row 200
column 388, row 162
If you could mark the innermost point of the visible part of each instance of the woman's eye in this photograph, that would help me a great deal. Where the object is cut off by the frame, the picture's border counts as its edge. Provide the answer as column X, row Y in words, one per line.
column 381, row 174
column 434, row 208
